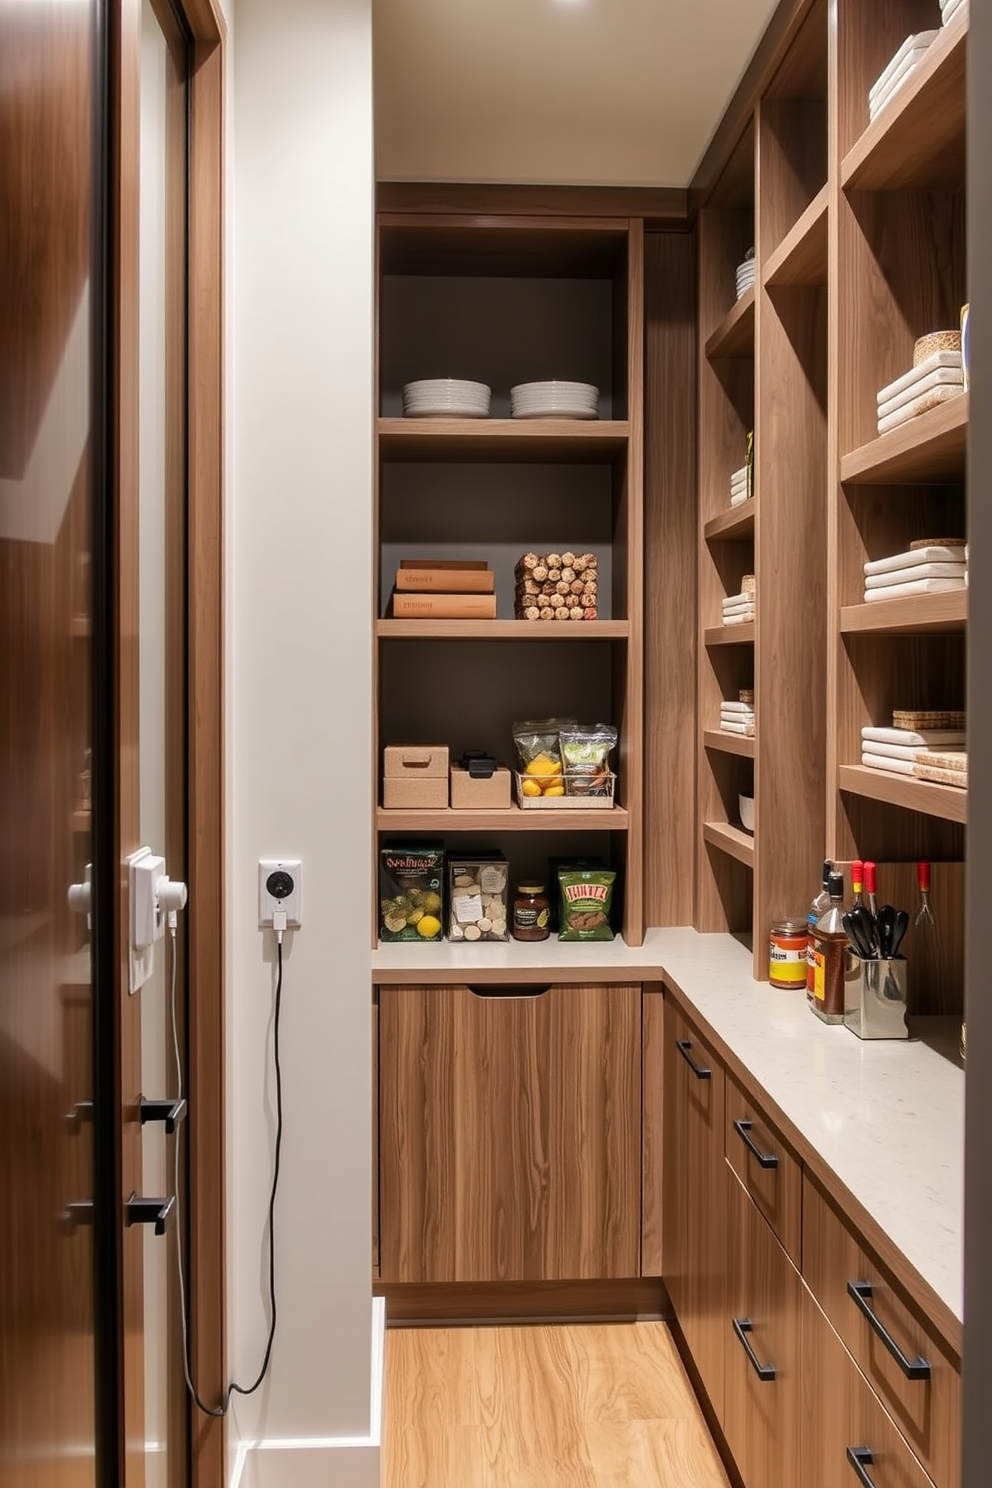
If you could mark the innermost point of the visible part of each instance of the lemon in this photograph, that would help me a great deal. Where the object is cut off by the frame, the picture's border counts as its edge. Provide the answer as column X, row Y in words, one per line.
column 428, row 926
column 541, row 765
column 530, row 787
column 430, row 902
column 554, row 790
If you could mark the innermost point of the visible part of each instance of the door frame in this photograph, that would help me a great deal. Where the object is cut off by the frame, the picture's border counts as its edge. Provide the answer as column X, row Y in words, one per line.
column 205, row 692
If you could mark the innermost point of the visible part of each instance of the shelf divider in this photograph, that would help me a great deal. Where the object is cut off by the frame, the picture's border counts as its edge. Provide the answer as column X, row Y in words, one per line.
column 734, row 336
column 945, row 801
column 920, row 615
column 801, row 257
column 742, row 744
column 735, row 525
column 729, row 635
column 929, row 447
column 734, row 841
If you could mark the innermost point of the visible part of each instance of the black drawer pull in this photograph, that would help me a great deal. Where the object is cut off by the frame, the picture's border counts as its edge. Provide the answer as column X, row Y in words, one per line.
column 699, row 1070
column 492, row 990
column 860, row 1293
column 766, row 1159
column 861, row 1458
column 742, row 1327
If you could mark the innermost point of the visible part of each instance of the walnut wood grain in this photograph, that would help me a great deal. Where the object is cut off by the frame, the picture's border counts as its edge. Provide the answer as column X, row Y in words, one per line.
column 927, row 1412
column 925, row 796
column 719, row 739
column 628, row 707
column 652, row 1129
column 801, row 255
column 734, row 336
column 509, row 1134
column 761, row 1417
column 930, row 447
column 657, row 205
column 924, row 612
column 776, row 1192
column 426, row 1304
column 727, row 838
column 501, row 439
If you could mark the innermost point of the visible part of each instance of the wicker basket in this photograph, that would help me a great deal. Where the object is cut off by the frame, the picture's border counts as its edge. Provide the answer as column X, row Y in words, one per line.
column 572, row 800
column 936, row 341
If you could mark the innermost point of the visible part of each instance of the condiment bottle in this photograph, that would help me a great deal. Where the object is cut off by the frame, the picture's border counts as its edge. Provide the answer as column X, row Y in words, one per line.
column 531, row 912
column 787, row 946
column 829, row 941
column 816, row 909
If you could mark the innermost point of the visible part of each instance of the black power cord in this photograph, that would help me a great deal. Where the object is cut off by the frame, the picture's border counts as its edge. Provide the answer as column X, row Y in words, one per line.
column 233, row 1388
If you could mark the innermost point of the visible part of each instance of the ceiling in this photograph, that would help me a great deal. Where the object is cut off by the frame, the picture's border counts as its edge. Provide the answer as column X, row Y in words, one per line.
column 569, row 92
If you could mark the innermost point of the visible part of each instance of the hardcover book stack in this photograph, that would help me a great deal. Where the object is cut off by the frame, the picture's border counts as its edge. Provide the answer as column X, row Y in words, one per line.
column 444, row 589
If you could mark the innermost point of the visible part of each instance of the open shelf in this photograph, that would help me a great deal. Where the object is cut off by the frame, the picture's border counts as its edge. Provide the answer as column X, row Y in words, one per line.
column 918, row 140
column 742, row 744
column 930, row 447
column 801, row 257
column 502, row 630
column 918, row 615
column 735, row 525
column 945, row 801
column 734, row 841
column 518, row 440
column 734, row 336
column 729, row 635
column 510, row 962
column 502, row 819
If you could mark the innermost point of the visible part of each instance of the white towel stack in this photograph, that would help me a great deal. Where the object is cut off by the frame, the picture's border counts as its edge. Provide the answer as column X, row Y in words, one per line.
column 739, row 487
column 738, row 609
column 924, row 570
column 906, row 59
column 901, row 750
column 737, row 718
column 939, row 377
column 949, row 8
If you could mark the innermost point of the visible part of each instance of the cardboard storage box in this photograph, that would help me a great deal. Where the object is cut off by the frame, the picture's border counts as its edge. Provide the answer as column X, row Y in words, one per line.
column 415, row 775
column 468, row 792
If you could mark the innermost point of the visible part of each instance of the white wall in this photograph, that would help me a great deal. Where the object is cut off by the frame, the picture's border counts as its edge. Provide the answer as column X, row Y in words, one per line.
column 299, row 538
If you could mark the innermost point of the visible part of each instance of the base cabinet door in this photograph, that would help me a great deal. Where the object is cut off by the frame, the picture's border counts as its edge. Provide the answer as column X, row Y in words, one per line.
column 509, row 1133
column 847, row 1437
column 762, row 1375
column 694, row 1242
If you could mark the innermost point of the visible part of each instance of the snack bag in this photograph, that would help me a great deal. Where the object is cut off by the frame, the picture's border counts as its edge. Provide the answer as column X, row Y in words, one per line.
column 411, row 892
column 586, row 899
column 585, row 752
column 540, row 755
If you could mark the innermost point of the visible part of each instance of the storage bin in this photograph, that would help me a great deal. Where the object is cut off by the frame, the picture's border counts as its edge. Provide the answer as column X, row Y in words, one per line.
column 415, row 776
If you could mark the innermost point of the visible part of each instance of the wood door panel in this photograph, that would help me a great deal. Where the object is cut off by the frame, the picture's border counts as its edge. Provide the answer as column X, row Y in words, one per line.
column 839, row 1411
column 510, row 1134
column 776, row 1191
column 761, row 1417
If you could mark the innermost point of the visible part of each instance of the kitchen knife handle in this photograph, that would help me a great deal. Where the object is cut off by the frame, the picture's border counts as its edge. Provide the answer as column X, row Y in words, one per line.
column 700, row 1071
column 861, row 1458
column 860, row 1293
column 765, row 1159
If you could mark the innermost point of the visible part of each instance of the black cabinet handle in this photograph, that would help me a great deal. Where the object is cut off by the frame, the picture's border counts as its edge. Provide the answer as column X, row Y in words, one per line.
column 766, row 1159
column 742, row 1327
column 861, row 1458
column 155, row 1212
column 860, row 1293
column 699, row 1070
column 169, row 1111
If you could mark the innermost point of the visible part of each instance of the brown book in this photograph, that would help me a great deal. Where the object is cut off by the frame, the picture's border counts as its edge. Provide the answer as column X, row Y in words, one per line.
column 446, row 580
column 444, row 606
column 475, row 563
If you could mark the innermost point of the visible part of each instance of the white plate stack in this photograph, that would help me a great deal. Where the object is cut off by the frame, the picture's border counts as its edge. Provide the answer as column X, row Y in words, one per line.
column 738, row 487
column 949, row 8
column 908, row 57
column 745, row 273
column 937, row 378
column 579, row 400
column 445, row 397
column 930, row 568
column 737, row 718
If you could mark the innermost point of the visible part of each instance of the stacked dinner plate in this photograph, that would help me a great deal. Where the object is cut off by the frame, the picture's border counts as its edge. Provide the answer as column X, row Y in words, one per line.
column 745, row 274
column 445, row 397
column 554, row 400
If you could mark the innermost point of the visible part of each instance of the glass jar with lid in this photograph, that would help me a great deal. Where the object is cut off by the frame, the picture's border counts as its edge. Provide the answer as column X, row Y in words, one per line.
column 531, row 913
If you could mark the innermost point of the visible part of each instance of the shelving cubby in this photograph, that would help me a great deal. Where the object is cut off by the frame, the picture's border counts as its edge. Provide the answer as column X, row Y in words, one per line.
column 504, row 300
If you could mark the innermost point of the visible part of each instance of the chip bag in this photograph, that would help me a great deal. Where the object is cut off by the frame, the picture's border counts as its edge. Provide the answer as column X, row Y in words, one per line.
column 586, row 899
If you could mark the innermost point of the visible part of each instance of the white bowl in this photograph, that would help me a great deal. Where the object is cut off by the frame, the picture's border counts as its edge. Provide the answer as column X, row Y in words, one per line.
column 745, row 804
column 447, row 385
column 585, row 392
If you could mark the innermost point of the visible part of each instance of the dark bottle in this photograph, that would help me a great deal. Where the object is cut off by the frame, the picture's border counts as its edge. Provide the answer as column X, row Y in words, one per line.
column 816, row 909
column 531, row 912
column 829, row 942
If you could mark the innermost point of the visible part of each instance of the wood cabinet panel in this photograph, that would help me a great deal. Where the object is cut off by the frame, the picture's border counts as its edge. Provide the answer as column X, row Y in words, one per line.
column 509, row 1133
column 761, row 1411
column 840, row 1413
column 694, row 1254
column 776, row 1185
column 652, row 1130
column 926, row 1411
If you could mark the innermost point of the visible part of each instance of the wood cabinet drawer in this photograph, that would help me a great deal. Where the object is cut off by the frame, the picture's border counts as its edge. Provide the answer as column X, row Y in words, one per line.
column 509, row 1133
column 762, row 1389
column 767, row 1168
column 921, row 1390
column 842, row 1419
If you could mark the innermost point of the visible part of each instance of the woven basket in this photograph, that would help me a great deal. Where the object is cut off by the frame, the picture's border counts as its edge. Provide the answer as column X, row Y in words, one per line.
column 936, row 341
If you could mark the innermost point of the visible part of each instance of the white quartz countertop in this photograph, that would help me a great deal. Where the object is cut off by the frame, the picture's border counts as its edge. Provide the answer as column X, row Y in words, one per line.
column 886, row 1116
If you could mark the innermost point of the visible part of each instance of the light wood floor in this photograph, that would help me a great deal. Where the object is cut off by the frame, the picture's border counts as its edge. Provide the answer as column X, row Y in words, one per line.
column 536, row 1407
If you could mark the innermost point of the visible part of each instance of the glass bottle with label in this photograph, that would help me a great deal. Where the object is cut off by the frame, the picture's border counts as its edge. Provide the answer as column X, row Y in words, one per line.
column 829, row 941
column 531, row 913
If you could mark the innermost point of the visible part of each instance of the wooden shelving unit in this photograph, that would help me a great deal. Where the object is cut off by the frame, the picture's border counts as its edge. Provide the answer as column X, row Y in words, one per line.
column 801, row 257
column 930, row 447
column 741, row 744
column 733, row 841
column 925, row 796
column 507, row 819
column 927, row 613
column 502, row 630
column 735, row 525
column 734, row 336
column 518, row 440
column 729, row 635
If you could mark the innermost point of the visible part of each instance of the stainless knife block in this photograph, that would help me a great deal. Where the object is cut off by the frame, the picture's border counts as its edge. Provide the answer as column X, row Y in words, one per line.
column 875, row 998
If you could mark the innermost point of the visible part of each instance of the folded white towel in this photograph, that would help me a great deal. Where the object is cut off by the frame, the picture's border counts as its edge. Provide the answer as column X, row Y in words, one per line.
column 912, row 43
column 920, row 405
column 951, row 8
column 739, row 609
column 936, row 553
column 736, row 728
column 739, row 474
column 739, row 500
column 912, row 574
column 939, row 377
column 916, row 586
column 734, row 599
column 921, row 737
column 728, row 705
column 884, row 762
column 742, row 619
column 916, row 751
column 934, row 361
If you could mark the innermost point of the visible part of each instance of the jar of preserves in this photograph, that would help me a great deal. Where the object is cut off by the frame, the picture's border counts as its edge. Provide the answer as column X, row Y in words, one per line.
column 531, row 913
column 787, row 948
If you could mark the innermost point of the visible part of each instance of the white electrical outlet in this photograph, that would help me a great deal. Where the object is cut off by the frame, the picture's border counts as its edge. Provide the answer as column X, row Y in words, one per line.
column 279, row 889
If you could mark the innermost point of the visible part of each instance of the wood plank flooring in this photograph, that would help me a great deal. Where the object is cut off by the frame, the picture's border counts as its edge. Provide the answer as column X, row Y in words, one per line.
column 540, row 1406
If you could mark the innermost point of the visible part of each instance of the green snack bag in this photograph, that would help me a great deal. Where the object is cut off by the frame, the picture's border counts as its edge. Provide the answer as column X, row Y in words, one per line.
column 586, row 897
column 411, row 892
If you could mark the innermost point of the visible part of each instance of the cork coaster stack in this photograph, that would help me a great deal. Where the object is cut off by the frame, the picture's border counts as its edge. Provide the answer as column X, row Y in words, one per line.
column 557, row 586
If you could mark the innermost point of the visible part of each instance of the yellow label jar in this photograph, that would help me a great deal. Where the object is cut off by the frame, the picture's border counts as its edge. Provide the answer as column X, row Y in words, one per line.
column 787, row 947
